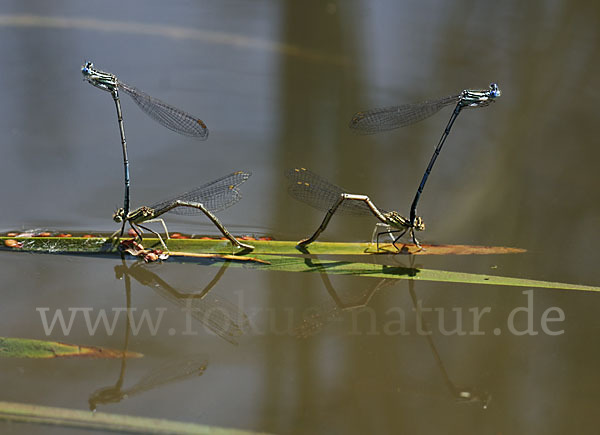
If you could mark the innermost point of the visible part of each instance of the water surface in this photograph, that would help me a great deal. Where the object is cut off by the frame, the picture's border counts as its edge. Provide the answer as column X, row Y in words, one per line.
column 277, row 83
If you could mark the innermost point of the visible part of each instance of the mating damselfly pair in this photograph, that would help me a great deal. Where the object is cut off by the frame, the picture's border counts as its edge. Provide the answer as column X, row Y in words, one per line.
column 212, row 197
column 314, row 190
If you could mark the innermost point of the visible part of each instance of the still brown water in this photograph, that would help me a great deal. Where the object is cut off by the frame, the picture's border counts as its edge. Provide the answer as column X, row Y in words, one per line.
column 277, row 83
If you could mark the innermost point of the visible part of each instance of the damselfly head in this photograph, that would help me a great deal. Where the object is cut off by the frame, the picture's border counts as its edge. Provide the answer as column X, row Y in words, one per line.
column 479, row 97
column 87, row 68
column 100, row 79
column 119, row 215
column 494, row 90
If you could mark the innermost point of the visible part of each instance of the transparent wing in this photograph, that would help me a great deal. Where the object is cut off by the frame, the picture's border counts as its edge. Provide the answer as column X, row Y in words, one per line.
column 312, row 189
column 215, row 196
column 176, row 370
column 389, row 118
column 167, row 115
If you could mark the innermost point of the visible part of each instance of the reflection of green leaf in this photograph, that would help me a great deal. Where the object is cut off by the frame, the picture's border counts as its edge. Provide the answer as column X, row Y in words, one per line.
column 28, row 348
column 100, row 420
column 278, row 254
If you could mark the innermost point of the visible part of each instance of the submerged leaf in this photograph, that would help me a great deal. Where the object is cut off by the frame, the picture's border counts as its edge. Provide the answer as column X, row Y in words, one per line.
column 76, row 418
column 369, row 270
column 30, row 348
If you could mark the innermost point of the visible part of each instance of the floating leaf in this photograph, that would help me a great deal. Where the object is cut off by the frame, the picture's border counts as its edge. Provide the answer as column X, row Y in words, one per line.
column 217, row 246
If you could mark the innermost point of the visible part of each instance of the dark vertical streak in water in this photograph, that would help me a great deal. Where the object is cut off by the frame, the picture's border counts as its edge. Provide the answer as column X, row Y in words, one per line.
column 314, row 100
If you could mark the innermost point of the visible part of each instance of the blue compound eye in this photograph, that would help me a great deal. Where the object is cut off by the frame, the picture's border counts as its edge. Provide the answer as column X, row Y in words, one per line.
column 86, row 67
column 494, row 90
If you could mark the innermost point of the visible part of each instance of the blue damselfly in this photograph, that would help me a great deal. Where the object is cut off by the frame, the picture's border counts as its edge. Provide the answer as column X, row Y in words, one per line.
column 389, row 118
column 165, row 114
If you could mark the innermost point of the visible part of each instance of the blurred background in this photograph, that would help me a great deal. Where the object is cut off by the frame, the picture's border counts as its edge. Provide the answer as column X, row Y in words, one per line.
column 277, row 83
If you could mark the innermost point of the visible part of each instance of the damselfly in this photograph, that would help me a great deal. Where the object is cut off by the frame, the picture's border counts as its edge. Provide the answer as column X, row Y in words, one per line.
column 208, row 199
column 389, row 118
column 165, row 114
column 308, row 187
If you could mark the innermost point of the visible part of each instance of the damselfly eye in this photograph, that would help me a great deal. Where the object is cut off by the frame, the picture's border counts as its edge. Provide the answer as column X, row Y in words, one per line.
column 495, row 90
